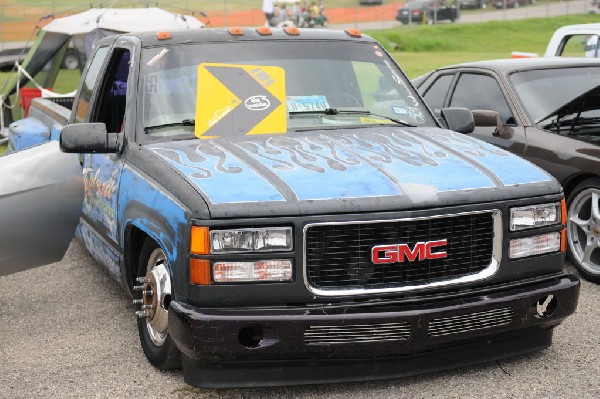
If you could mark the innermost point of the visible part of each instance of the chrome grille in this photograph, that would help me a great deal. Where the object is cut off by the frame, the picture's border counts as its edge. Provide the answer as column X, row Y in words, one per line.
column 357, row 333
column 338, row 255
column 470, row 322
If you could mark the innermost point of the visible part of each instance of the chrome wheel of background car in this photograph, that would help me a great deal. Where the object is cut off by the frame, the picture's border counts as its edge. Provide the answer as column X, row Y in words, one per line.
column 70, row 61
column 583, row 228
column 155, row 287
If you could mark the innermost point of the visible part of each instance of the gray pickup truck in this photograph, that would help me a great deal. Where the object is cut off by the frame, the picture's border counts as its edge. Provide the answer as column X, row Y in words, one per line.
column 284, row 209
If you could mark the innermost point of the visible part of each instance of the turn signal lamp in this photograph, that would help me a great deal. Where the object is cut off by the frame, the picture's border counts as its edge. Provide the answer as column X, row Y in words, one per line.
column 563, row 218
column 200, row 271
column 199, row 243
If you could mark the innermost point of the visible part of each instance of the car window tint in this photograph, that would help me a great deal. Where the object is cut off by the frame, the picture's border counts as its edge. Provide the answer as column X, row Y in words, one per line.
column 434, row 97
column 477, row 91
column 89, row 84
column 580, row 46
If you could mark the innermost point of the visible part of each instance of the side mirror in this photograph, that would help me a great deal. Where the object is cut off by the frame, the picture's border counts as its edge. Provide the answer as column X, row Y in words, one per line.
column 458, row 119
column 489, row 118
column 88, row 138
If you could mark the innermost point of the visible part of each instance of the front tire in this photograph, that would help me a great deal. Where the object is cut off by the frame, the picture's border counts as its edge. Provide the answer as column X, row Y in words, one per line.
column 583, row 228
column 156, row 342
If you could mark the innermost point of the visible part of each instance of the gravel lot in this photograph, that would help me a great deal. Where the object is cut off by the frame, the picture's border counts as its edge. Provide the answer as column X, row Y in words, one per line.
column 67, row 330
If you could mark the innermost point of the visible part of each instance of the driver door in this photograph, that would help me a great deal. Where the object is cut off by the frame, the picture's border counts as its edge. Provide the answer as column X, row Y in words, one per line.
column 41, row 195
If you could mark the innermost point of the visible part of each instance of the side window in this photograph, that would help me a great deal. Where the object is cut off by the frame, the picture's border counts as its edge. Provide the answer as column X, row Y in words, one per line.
column 89, row 84
column 435, row 95
column 477, row 91
column 580, row 46
column 110, row 109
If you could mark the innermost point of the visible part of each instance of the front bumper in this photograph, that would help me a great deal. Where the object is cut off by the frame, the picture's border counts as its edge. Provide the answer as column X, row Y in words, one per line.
column 268, row 346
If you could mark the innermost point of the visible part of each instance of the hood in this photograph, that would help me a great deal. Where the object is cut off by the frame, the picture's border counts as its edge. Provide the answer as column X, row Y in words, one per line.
column 356, row 170
column 588, row 101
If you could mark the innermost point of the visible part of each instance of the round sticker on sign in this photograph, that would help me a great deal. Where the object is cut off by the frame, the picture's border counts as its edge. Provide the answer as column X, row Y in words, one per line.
column 257, row 103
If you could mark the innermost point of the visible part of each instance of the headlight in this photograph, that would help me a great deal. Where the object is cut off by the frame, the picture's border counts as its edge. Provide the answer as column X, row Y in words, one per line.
column 535, row 245
column 268, row 239
column 527, row 217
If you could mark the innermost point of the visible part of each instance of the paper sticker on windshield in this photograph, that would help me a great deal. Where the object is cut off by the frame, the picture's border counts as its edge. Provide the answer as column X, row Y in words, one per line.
column 157, row 57
column 306, row 103
column 375, row 120
column 235, row 100
column 400, row 110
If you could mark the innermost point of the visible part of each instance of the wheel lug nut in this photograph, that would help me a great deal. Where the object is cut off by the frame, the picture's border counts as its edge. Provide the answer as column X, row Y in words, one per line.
column 142, row 315
column 142, row 280
column 147, row 307
column 138, row 287
column 138, row 301
column 149, row 293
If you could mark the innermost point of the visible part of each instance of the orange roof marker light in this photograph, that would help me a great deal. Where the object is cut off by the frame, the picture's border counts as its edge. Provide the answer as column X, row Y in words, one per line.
column 236, row 31
column 264, row 31
column 353, row 32
column 163, row 35
column 292, row 31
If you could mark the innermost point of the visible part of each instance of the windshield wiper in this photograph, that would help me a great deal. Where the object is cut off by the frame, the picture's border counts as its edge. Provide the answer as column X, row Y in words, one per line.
column 335, row 111
column 185, row 122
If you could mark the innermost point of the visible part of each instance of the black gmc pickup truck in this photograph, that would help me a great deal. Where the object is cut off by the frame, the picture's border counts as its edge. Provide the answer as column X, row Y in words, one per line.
column 284, row 209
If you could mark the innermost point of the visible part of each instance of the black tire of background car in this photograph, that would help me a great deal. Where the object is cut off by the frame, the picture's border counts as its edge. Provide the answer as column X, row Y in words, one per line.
column 166, row 356
column 576, row 195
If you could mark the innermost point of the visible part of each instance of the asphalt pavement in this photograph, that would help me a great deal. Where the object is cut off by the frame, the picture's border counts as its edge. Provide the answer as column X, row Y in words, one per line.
column 67, row 330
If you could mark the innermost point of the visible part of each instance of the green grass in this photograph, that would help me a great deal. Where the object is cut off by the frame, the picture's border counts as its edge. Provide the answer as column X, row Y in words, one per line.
column 3, row 148
column 420, row 49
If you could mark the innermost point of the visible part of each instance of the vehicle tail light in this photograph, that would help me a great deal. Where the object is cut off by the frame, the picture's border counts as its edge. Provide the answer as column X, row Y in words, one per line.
column 416, row 12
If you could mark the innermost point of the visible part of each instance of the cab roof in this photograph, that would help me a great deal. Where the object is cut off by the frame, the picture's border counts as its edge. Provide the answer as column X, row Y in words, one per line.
column 185, row 36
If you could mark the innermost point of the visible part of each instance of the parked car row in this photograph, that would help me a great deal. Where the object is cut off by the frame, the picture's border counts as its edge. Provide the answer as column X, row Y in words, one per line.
column 426, row 11
column 546, row 110
column 432, row 11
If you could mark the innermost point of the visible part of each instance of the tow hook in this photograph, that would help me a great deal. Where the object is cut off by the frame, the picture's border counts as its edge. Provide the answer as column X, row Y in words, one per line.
column 147, row 302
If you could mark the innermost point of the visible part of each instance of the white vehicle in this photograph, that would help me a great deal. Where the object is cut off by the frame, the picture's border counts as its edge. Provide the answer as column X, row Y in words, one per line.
column 574, row 41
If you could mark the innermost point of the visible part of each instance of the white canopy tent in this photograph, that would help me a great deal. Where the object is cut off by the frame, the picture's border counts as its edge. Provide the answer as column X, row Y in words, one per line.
column 80, row 31
column 121, row 20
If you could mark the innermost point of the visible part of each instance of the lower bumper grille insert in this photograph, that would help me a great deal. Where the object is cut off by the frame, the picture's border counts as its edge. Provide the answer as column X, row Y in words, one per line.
column 357, row 333
column 470, row 322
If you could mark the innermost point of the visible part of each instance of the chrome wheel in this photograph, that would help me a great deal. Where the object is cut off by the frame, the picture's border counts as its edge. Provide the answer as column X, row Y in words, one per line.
column 157, row 296
column 583, row 231
column 153, row 317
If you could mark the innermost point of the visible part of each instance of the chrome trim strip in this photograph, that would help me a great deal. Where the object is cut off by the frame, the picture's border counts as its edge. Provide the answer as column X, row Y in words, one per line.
column 482, row 275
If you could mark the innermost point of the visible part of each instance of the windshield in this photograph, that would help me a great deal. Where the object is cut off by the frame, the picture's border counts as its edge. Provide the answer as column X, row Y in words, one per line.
column 544, row 91
column 327, row 85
